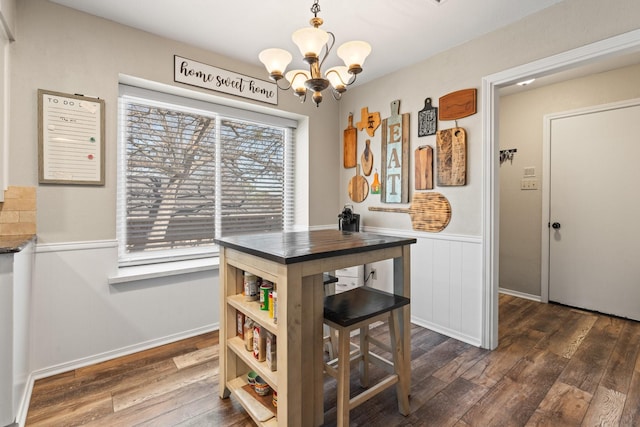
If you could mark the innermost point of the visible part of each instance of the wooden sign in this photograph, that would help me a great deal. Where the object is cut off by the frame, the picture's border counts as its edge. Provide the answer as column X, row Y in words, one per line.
column 427, row 119
column 206, row 76
column 459, row 104
column 368, row 121
column 452, row 156
column 424, row 168
column 395, row 156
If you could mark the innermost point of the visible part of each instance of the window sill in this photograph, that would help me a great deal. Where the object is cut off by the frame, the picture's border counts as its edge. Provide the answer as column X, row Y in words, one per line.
column 152, row 271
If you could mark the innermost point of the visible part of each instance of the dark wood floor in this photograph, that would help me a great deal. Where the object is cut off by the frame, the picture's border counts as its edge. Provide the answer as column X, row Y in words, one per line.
column 555, row 366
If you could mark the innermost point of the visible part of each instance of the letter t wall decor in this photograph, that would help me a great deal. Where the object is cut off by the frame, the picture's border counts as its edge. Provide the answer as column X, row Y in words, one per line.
column 395, row 156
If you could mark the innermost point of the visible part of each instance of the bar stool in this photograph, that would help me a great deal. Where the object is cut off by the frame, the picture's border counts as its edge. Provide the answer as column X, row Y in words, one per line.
column 358, row 309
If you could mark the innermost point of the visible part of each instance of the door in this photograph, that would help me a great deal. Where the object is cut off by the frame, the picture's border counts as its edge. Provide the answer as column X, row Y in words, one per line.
column 594, row 205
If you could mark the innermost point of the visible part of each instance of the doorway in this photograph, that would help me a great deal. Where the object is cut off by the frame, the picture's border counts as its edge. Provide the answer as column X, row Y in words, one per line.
column 619, row 45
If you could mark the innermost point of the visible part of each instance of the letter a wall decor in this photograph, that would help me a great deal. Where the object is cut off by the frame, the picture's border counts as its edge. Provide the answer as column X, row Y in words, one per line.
column 395, row 156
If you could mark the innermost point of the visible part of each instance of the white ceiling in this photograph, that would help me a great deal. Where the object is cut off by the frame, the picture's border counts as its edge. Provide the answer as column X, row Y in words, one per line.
column 401, row 32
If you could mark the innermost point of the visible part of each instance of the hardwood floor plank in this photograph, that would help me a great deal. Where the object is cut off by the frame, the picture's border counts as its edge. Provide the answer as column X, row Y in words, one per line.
column 493, row 367
column 78, row 411
column 451, row 403
column 460, row 364
column 564, row 405
column 605, row 409
column 205, row 354
column 588, row 364
column 631, row 412
column 163, row 385
column 566, row 340
column 515, row 398
column 623, row 359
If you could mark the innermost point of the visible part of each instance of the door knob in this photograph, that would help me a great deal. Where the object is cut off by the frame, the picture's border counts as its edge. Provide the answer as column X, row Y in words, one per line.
column 555, row 225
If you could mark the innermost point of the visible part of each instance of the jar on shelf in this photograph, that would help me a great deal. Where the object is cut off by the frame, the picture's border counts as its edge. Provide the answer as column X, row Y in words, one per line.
column 248, row 334
column 250, row 287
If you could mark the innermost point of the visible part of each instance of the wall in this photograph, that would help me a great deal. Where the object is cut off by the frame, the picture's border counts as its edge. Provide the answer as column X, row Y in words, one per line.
column 564, row 26
column 521, row 127
column 78, row 317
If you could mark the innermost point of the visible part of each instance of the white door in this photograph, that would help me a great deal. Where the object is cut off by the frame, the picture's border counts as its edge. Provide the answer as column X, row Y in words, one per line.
column 594, row 251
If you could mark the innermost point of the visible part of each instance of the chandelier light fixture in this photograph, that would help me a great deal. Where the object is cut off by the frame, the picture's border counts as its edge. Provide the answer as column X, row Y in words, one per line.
column 315, row 45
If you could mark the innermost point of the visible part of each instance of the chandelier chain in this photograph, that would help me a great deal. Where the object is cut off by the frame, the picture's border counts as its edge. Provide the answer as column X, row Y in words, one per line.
column 315, row 8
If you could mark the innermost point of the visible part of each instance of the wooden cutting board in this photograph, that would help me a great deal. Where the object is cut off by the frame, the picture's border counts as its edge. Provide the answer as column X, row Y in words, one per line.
column 451, row 147
column 366, row 159
column 358, row 187
column 456, row 105
column 429, row 211
column 424, row 168
column 427, row 119
column 350, row 145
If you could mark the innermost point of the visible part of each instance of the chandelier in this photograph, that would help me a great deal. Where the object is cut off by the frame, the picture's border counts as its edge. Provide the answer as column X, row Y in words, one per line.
column 315, row 45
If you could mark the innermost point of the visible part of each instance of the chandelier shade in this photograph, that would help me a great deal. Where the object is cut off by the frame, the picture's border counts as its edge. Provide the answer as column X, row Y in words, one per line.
column 315, row 45
column 275, row 60
column 310, row 41
column 354, row 53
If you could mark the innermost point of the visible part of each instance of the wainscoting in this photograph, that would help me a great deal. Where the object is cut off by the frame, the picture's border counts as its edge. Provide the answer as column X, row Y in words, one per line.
column 446, row 283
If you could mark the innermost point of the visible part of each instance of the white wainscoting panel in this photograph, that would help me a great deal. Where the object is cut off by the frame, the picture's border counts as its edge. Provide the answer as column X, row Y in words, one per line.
column 78, row 318
column 446, row 283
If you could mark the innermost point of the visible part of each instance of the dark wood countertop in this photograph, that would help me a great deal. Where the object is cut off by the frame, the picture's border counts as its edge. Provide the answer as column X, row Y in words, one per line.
column 13, row 244
column 299, row 246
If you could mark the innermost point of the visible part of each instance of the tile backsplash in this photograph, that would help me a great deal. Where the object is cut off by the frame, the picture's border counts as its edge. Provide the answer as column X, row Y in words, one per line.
column 18, row 211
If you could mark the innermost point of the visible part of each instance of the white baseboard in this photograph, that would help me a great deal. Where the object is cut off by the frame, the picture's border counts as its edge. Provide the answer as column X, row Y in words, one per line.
column 445, row 331
column 524, row 295
column 98, row 358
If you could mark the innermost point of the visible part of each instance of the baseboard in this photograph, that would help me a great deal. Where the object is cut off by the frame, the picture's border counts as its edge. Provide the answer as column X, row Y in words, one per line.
column 446, row 331
column 524, row 295
column 102, row 357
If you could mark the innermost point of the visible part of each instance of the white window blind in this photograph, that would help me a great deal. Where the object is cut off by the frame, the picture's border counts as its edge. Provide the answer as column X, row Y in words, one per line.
column 189, row 173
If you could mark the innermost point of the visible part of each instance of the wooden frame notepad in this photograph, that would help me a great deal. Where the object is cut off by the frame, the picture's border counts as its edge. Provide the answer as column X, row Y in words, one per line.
column 70, row 139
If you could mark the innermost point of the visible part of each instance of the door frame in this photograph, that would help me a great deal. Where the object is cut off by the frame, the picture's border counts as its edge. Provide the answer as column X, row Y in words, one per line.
column 546, row 180
column 618, row 45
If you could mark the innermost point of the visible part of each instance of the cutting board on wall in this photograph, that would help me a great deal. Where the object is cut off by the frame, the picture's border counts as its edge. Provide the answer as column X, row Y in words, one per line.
column 350, row 145
column 456, row 105
column 366, row 158
column 424, row 168
column 429, row 211
column 451, row 147
column 358, row 187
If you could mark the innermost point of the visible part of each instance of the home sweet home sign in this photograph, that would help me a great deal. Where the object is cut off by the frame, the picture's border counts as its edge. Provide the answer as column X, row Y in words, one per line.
column 195, row 73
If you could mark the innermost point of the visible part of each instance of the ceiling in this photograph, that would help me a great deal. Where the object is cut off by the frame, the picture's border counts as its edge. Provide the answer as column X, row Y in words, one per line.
column 401, row 32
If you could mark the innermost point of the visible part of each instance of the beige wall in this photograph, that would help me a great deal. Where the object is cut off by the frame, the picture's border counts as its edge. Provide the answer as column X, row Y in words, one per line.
column 521, row 127
column 64, row 50
column 564, row 26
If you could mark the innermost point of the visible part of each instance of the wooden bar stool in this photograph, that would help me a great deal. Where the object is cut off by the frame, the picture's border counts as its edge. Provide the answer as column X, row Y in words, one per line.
column 357, row 309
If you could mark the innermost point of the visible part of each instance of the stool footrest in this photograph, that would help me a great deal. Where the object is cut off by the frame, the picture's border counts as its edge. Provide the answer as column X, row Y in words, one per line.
column 370, row 392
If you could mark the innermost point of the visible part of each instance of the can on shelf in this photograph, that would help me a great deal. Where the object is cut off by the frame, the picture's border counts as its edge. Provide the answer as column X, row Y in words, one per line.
column 265, row 289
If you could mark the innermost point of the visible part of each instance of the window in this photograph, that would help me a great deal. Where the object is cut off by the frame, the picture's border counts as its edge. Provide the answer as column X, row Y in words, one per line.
column 190, row 171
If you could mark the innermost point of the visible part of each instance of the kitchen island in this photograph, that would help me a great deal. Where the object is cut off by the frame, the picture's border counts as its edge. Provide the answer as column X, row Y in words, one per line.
column 295, row 263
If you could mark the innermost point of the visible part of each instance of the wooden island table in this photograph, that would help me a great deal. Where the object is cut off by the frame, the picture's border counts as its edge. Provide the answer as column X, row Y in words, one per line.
column 295, row 263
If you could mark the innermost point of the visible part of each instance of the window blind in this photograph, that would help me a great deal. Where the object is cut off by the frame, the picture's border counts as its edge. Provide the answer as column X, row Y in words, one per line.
column 188, row 175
